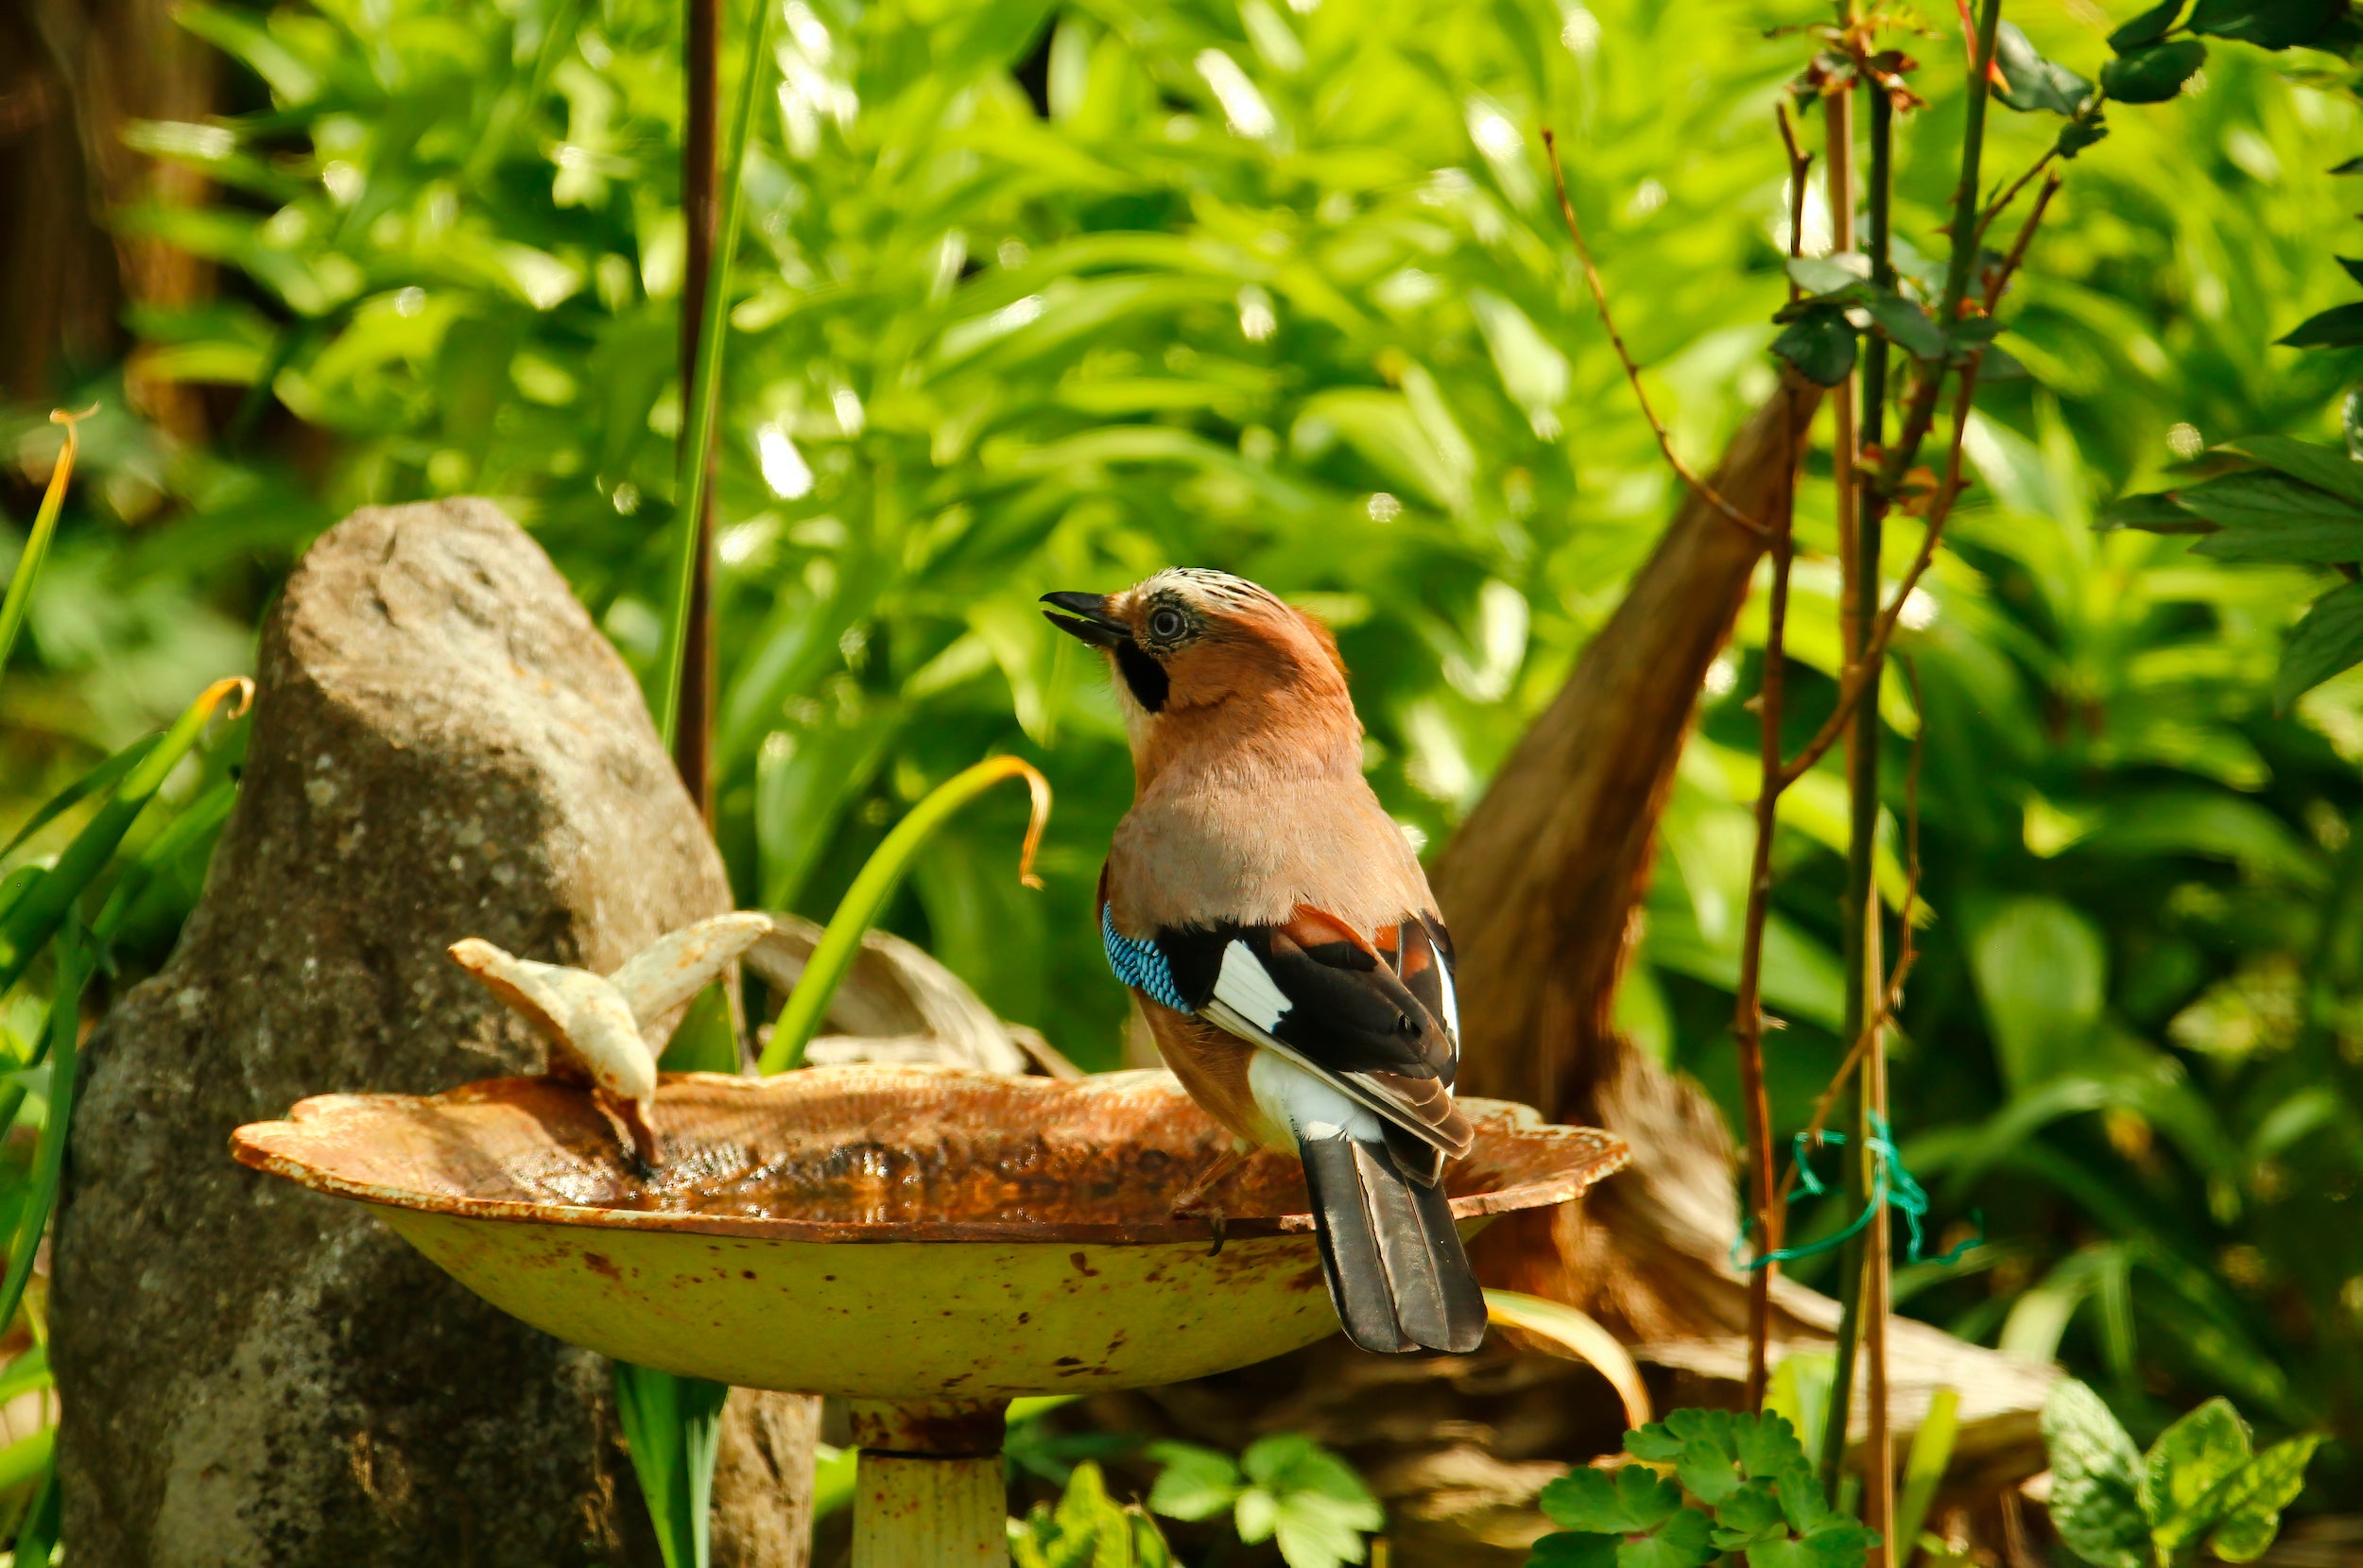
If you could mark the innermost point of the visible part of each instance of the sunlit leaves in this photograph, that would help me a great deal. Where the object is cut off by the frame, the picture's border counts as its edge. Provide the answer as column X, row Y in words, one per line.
column 2032, row 82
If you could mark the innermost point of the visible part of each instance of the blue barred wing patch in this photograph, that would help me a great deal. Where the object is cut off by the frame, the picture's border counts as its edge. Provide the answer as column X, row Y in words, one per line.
column 1139, row 964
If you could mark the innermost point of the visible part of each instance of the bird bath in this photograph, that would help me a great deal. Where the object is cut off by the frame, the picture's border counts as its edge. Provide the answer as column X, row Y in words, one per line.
column 927, row 1242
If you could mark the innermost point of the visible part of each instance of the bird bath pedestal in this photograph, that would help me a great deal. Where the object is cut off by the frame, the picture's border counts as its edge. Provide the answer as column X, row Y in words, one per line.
column 926, row 1243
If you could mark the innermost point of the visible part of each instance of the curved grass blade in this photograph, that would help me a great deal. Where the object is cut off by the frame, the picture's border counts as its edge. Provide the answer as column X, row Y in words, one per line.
column 36, row 916
column 1562, row 1331
column 809, row 1002
column 20, row 598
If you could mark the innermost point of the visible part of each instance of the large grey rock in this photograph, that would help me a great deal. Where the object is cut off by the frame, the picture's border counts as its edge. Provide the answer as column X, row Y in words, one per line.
column 443, row 745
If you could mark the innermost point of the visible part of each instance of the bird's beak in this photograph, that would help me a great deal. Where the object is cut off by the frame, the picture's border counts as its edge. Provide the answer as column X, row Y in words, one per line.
column 1087, row 618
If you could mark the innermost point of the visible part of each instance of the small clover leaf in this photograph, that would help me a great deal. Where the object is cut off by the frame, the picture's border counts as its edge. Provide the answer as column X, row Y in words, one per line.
column 1751, row 1514
column 1768, row 1445
column 1654, row 1444
column 1685, row 1541
column 1705, row 1470
column 1575, row 1549
column 1634, row 1499
column 1800, row 1497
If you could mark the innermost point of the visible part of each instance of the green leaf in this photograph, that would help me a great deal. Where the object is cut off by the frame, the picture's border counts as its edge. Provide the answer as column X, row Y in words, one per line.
column 1575, row 1549
column 1820, row 344
column 2238, row 500
column 1314, row 1531
column 1906, row 324
column 2319, row 542
column 1196, row 1483
column 1844, row 1545
column 2152, row 75
column 2095, row 1479
column 1821, row 275
column 2251, row 1502
column 1705, row 1471
column 1750, row 1514
column 1925, row 1466
column 2267, row 24
column 1766, row 1445
column 1635, row 1499
column 1685, row 1541
column 1802, row 1501
column 2160, row 513
column 2146, row 28
column 2328, row 640
column 2032, row 82
column 2340, row 327
column 2186, row 1464
column 2076, row 135
column 2042, row 969
column 2326, row 467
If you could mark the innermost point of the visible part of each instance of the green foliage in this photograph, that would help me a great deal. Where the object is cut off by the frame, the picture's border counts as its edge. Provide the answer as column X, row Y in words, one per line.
column 1740, row 1484
column 1088, row 1530
column 2200, row 1481
column 980, row 347
column 1284, row 1489
column 2281, row 500
column 673, row 1427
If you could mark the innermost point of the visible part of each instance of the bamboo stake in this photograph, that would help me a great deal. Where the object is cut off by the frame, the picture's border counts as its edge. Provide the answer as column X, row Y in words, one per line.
column 693, row 733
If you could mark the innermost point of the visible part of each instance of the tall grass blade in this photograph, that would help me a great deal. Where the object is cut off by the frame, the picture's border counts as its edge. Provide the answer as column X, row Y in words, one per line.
column 1923, row 1469
column 65, row 1021
column 101, row 777
column 672, row 1426
column 37, row 1537
column 842, row 942
column 697, row 435
column 36, row 916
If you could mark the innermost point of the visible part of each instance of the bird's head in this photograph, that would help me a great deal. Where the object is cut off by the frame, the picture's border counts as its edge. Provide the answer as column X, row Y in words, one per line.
column 1188, row 644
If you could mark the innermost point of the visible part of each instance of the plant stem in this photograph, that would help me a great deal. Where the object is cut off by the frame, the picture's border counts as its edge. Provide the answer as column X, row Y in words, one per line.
column 1747, row 1019
column 1859, row 601
column 701, row 395
column 840, row 944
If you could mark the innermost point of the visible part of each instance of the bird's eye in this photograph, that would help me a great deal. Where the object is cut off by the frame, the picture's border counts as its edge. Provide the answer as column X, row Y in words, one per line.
column 1165, row 625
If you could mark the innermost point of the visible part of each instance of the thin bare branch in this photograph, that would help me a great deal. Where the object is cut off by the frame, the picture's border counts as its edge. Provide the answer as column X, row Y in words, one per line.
column 1632, row 371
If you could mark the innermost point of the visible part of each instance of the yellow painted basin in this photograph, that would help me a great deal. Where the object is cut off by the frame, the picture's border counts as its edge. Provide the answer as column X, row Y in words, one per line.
column 878, row 1232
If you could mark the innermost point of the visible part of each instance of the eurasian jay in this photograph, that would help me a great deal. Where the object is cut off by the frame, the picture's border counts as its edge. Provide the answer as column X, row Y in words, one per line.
column 1281, row 936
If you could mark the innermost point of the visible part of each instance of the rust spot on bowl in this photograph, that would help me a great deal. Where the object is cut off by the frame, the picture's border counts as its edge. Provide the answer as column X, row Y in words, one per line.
column 864, row 1153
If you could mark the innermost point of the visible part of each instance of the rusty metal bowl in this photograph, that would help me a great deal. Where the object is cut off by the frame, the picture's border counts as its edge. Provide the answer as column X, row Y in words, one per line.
column 878, row 1232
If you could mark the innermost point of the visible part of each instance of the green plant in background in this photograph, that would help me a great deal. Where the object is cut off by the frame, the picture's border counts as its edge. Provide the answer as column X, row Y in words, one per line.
column 1087, row 1529
column 2267, row 498
column 1286, row 1489
column 1234, row 283
column 1738, row 1483
column 2119, row 1507
column 44, row 915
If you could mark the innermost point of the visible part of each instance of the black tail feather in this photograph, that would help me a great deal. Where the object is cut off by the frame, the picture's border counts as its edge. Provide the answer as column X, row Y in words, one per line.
column 1396, row 1271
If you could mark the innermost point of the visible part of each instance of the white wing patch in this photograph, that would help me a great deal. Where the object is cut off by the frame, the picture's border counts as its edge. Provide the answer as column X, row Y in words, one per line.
column 1308, row 1105
column 1245, row 990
